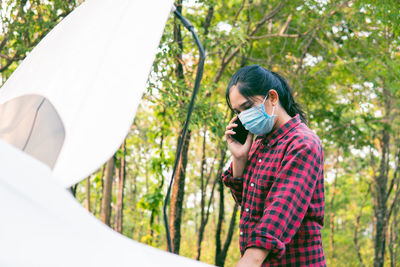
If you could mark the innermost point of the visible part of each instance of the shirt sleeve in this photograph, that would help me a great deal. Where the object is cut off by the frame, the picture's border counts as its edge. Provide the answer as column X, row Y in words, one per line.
column 235, row 184
column 288, row 199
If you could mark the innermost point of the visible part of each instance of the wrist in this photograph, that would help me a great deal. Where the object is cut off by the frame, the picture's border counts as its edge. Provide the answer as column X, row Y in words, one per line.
column 240, row 158
column 255, row 255
column 238, row 166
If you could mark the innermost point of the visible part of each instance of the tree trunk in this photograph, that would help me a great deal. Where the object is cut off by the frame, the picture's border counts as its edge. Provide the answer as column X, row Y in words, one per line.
column 151, row 231
column 105, row 213
column 222, row 256
column 355, row 240
column 204, row 216
column 391, row 246
column 203, row 188
column 178, row 191
column 380, row 210
column 178, row 188
column 221, row 215
column 394, row 208
column 120, row 197
column 154, row 209
column 204, row 221
column 134, row 194
column 357, row 225
column 394, row 229
column 221, row 252
column 98, row 197
column 332, row 213
column 381, row 190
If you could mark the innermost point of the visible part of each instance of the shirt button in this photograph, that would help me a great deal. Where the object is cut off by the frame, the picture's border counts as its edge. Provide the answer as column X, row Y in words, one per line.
column 241, row 233
column 247, row 209
column 252, row 184
column 259, row 160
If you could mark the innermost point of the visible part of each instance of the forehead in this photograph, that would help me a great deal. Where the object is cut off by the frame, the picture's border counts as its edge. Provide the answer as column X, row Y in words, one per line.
column 235, row 97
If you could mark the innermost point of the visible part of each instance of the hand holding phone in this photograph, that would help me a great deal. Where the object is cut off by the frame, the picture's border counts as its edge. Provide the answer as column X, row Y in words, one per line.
column 239, row 142
column 240, row 132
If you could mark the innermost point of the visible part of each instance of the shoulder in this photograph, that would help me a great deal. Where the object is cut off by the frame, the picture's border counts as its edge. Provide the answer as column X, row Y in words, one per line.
column 302, row 137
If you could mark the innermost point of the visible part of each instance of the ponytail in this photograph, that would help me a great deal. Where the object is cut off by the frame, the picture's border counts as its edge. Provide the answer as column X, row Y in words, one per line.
column 292, row 108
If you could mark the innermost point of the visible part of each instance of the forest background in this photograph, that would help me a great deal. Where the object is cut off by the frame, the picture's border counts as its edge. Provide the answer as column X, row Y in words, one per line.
column 342, row 59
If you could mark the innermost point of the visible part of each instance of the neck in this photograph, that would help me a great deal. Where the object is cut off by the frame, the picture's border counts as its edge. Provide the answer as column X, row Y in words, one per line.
column 281, row 119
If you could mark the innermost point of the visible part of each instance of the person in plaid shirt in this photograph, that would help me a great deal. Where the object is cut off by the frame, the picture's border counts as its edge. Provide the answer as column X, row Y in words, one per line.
column 277, row 179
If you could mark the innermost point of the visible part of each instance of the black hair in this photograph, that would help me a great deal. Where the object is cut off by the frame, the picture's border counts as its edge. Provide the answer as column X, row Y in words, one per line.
column 255, row 80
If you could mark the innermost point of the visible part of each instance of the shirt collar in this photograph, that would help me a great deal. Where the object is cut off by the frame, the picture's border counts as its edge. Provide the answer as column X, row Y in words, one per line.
column 271, row 138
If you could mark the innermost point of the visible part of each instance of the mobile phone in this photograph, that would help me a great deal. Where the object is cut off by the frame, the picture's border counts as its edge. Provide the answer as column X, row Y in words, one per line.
column 240, row 132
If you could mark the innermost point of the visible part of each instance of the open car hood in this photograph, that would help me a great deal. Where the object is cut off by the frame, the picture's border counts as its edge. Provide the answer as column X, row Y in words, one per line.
column 72, row 101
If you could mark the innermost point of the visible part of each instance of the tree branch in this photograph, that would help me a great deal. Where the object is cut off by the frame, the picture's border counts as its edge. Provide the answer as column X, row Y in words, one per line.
column 238, row 12
column 315, row 28
column 207, row 21
column 230, row 230
column 275, row 35
column 285, row 26
column 226, row 60
column 395, row 177
column 3, row 68
column 267, row 17
column 394, row 202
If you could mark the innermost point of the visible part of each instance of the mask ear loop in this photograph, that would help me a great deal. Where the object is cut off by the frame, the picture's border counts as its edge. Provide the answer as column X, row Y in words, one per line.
column 263, row 108
column 265, row 98
column 273, row 109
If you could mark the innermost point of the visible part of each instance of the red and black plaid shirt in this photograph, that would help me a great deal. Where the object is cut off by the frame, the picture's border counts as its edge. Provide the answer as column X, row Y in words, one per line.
column 281, row 194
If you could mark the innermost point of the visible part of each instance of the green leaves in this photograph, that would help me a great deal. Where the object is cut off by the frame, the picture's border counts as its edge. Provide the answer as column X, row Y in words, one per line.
column 24, row 24
column 151, row 201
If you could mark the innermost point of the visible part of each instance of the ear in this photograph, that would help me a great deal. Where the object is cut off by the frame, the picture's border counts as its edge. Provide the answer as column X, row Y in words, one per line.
column 273, row 97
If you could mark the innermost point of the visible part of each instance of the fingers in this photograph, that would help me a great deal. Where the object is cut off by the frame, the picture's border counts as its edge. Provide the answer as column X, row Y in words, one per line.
column 230, row 126
column 230, row 140
column 231, row 123
column 233, row 119
column 229, row 130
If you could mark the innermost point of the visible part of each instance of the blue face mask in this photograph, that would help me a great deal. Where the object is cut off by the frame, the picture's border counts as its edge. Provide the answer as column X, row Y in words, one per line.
column 256, row 120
